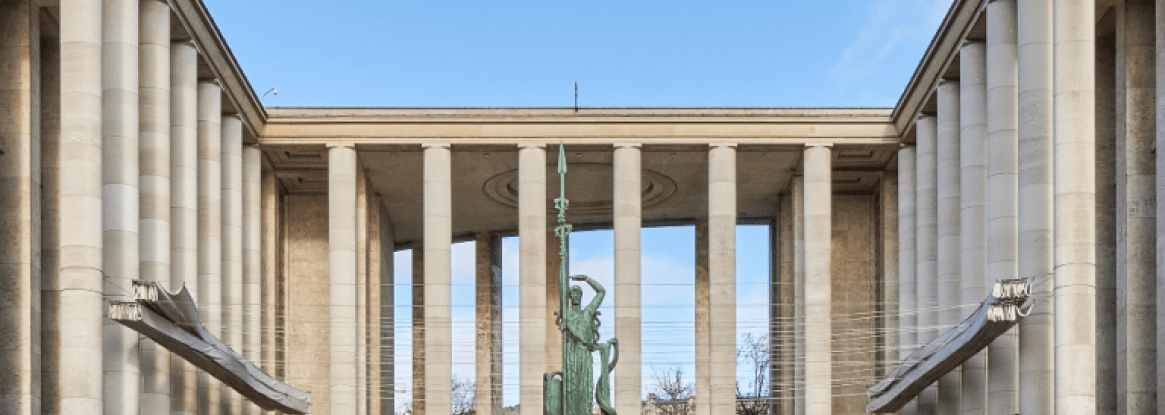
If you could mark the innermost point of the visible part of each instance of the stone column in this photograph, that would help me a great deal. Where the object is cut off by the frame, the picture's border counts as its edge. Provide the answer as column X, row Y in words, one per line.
column 780, row 287
column 797, row 193
column 949, row 264
column 418, row 399
column 926, row 226
column 889, row 324
column 154, row 178
column 1160, row 143
column 703, row 384
column 50, row 230
column 722, row 276
column 553, row 298
column 489, row 324
column 818, row 257
column 1074, row 32
column 119, row 103
column 372, row 335
column 531, row 278
column 972, row 255
column 342, row 276
column 1035, row 79
column 788, row 389
column 20, row 207
column 210, row 230
column 271, row 252
column 232, row 246
column 1136, row 214
column 362, row 269
column 907, row 263
column 1002, row 197
column 438, row 269
column 184, row 205
column 78, row 362
column 387, row 394
column 627, row 211
column 252, row 259
column 1106, row 355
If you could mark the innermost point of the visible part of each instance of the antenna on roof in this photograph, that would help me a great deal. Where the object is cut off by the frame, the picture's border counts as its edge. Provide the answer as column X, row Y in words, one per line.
column 272, row 90
column 576, row 97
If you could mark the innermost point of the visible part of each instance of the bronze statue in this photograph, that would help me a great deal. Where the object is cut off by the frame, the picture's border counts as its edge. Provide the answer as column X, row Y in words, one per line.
column 580, row 333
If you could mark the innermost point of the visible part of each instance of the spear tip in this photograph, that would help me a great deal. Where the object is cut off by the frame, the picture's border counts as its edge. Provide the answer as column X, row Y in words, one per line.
column 561, row 159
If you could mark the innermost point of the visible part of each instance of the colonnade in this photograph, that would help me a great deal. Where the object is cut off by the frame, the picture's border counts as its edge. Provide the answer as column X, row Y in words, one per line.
column 126, row 167
column 715, row 282
column 1038, row 163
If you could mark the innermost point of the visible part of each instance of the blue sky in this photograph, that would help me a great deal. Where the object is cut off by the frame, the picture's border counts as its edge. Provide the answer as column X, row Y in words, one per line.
column 507, row 53
column 733, row 53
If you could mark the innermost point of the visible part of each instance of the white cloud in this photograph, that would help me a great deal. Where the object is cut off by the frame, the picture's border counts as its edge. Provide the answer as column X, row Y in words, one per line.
column 889, row 25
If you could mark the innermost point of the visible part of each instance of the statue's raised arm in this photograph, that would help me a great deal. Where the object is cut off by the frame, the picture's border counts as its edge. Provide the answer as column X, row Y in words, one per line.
column 600, row 292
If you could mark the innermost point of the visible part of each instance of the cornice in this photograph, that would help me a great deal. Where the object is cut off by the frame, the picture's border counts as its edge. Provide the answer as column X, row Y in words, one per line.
column 217, row 54
column 943, row 49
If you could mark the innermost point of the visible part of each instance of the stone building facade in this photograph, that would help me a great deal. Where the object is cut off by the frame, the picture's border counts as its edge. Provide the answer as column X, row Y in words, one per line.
column 1023, row 146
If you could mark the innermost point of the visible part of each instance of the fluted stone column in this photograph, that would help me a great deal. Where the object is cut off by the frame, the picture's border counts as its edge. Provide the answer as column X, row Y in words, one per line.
column 949, row 264
column 1074, row 34
column 628, row 219
column 1106, row 355
column 120, row 195
column 907, row 263
column 252, row 259
column 531, row 278
column 489, row 324
column 232, row 246
column 703, row 383
column 972, row 212
column 438, row 268
column 50, row 230
column 1002, row 197
column 1035, row 80
column 20, row 207
column 926, row 226
column 79, row 358
column 210, row 231
column 184, row 205
column 818, row 257
column 722, row 276
column 342, row 277
column 154, row 178
column 1136, row 213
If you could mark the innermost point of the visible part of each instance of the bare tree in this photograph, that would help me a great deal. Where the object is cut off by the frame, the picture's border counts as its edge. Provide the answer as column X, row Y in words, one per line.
column 670, row 386
column 669, row 383
column 752, row 398
column 464, row 396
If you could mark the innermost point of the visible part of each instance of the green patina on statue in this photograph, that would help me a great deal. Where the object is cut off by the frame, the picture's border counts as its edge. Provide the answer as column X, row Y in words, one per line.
column 569, row 392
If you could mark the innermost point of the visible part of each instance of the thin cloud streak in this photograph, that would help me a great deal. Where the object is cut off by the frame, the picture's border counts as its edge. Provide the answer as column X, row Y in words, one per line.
column 892, row 25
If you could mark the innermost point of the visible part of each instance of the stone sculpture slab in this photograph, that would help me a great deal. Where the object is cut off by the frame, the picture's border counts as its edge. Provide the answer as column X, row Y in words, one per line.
column 171, row 320
column 1004, row 307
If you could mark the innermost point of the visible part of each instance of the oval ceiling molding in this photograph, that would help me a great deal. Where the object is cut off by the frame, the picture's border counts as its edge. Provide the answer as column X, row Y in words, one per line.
column 588, row 187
